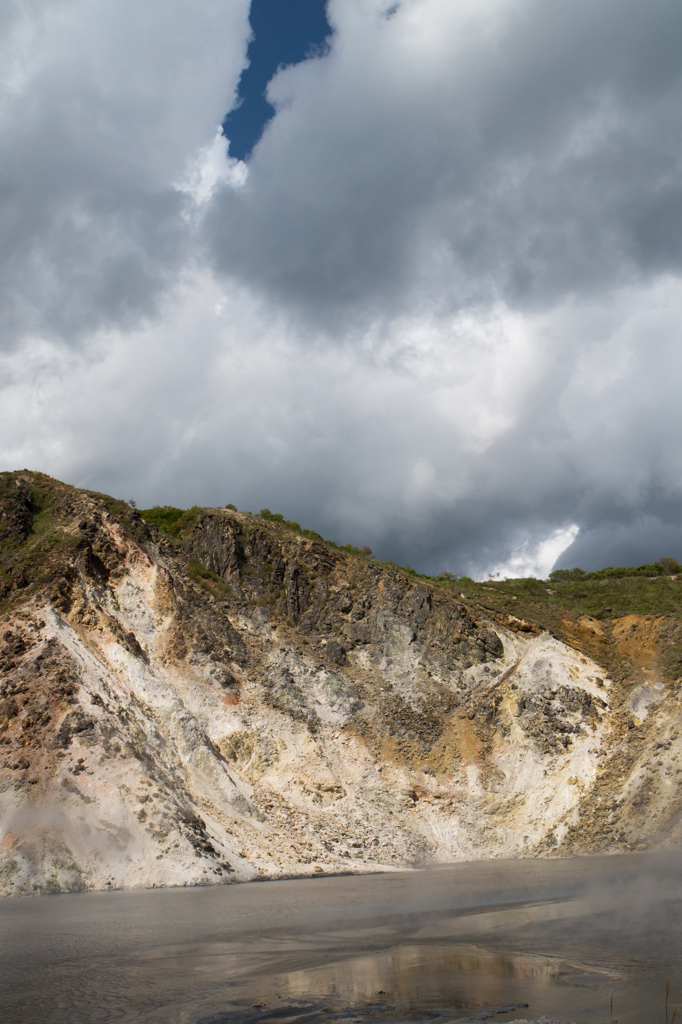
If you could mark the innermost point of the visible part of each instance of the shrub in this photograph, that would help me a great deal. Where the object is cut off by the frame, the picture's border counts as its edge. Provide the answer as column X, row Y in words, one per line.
column 528, row 583
column 664, row 566
column 169, row 519
column 565, row 575
column 210, row 581
column 351, row 549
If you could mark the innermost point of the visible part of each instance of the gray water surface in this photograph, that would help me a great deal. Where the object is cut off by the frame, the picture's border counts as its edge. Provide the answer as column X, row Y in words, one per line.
column 562, row 936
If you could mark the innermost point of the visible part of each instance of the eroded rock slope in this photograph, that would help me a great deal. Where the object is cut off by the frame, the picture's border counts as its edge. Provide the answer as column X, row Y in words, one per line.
column 244, row 701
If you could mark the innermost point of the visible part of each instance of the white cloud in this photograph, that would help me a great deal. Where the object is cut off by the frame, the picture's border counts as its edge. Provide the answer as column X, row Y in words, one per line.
column 533, row 558
column 213, row 167
column 408, row 452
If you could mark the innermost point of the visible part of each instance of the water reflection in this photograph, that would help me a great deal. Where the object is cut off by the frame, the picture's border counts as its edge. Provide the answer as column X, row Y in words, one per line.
column 560, row 936
column 413, row 975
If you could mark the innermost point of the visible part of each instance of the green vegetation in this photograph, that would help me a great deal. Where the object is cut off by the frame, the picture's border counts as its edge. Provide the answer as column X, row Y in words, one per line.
column 663, row 567
column 172, row 521
column 26, row 547
column 210, row 581
column 604, row 594
column 350, row 548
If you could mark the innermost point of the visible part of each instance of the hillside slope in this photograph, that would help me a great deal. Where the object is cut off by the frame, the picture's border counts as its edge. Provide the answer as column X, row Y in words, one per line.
column 234, row 698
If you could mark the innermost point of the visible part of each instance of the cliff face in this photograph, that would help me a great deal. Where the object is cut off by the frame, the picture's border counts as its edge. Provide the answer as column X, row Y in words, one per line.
column 244, row 701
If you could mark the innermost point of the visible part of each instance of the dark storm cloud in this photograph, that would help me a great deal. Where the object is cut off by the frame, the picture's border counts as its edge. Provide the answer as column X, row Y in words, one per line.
column 630, row 543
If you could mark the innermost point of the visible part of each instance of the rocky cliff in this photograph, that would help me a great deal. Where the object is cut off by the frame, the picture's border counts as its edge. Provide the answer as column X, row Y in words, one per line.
column 234, row 698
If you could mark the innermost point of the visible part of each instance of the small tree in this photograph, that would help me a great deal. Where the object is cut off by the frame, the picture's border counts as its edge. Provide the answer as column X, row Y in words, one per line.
column 367, row 552
column 565, row 575
column 670, row 566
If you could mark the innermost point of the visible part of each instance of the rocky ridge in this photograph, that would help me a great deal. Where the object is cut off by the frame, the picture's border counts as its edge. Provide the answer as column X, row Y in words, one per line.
column 245, row 701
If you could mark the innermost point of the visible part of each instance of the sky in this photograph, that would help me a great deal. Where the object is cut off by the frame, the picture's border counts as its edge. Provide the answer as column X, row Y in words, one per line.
column 283, row 32
column 426, row 297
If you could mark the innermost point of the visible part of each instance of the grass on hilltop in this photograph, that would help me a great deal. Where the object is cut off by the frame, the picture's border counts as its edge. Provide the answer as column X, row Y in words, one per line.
column 650, row 589
column 605, row 598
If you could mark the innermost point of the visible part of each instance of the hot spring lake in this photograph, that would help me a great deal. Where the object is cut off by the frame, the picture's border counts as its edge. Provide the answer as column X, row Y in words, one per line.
column 562, row 936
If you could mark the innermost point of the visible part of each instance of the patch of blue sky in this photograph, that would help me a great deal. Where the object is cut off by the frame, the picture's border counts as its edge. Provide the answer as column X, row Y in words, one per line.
column 284, row 32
